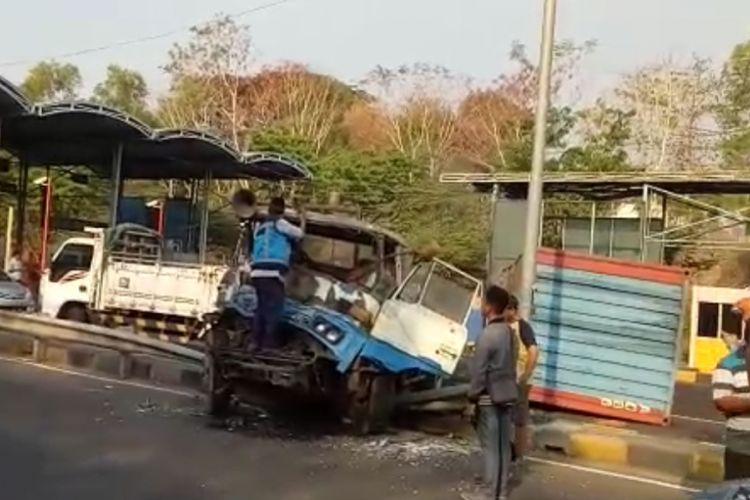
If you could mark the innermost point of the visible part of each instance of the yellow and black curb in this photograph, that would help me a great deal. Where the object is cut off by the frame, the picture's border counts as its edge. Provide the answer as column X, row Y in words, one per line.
column 680, row 458
column 690, row 376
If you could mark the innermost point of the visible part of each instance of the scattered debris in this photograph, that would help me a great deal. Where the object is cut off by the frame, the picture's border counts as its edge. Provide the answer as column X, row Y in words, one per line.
column 409, row 447
column 147, row 407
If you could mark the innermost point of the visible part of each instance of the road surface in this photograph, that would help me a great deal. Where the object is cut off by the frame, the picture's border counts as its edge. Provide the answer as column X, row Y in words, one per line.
column 67, row 436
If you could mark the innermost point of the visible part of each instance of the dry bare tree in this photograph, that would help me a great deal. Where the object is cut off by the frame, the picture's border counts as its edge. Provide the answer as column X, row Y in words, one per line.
column 290, row 96
column 416, row 106
column 207, row 75
column 672, row 106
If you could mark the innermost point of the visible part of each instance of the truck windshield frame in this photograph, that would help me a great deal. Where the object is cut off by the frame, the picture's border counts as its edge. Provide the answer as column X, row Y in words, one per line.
column 72, row 256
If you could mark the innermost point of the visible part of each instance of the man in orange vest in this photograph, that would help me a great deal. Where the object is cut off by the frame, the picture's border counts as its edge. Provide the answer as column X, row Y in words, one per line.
column 527, row 355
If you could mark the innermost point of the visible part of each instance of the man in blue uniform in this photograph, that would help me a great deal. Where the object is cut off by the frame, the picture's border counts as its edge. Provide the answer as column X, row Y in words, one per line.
column 272, row 251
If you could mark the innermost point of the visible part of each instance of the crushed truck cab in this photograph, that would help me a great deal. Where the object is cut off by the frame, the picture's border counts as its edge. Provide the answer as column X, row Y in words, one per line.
column 364, row 321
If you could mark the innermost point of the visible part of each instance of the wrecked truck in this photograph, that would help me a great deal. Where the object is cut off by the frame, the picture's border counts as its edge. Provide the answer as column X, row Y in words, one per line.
column 366, row 319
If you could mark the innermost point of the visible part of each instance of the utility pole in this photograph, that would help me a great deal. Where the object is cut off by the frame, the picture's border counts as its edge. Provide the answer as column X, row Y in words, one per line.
column 533, row 216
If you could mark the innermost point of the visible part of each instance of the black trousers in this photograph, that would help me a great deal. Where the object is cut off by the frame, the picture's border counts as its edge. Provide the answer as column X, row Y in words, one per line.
column 271, row 295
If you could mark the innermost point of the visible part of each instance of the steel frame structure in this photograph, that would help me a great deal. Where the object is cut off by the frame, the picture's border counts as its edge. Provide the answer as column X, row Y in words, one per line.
column 647, row 189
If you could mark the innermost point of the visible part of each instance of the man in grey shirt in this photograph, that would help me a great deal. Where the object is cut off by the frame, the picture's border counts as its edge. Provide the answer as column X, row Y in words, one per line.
column 494, row 390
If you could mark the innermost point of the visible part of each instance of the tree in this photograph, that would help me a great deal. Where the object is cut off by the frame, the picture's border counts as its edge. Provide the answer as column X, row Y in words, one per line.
column 671, row 105
column 52, row 81
column 495, row 123
column 126, row 90
column 490, row 123
column 414, row 105
column 365, row 127
column 306, row 104
column 604, row 132
column 734, row 109
column 208, row 75
column 456, row 219
column 369, row 181
column 393, row 190
column 189, row 103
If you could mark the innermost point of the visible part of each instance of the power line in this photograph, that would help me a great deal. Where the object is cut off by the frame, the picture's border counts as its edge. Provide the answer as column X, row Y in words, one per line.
column 124, row 43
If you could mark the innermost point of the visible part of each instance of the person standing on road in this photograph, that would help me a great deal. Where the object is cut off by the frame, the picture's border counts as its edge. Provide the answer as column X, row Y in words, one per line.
column 494, row 390
column 272, row 251
column 731, row 395
column 527, row 356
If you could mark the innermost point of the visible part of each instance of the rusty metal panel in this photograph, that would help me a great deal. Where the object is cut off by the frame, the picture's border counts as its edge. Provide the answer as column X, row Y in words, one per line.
column 608, row 332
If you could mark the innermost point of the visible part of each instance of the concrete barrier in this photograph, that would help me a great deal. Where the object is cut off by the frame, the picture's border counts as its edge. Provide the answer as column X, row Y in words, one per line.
column 679, row 458
column 147, row 367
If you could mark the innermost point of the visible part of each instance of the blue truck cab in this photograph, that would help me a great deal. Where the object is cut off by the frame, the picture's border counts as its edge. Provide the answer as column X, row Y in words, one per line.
column 366, row 319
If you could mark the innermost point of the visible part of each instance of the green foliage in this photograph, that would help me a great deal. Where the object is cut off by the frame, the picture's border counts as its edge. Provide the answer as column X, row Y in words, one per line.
column 394, row 191
column 734, row 109
column 455, row 219
column 379, row 154
column 52, row 81
column 560, row 122
column 126, row 90
column 603, row 147
column 369, row 180
column 71, row 199
column 279, row 140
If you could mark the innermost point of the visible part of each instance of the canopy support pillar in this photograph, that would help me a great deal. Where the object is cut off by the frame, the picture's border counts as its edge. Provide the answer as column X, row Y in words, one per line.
column 204, row 219
column 645, row 220
column 191, row 216
column 23, row 187
column 117, row 182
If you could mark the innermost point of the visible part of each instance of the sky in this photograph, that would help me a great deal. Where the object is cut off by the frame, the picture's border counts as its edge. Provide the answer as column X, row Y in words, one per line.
column 347, row 38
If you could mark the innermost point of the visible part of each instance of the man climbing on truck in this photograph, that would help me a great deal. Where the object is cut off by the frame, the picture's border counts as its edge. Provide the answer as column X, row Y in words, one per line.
column 272, row 251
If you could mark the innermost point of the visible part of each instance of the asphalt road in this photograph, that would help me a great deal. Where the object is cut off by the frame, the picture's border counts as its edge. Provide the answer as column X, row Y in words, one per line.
column 64, row 436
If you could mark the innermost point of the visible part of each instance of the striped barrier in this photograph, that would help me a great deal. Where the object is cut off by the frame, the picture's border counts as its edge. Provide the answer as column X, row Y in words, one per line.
column 116, row 352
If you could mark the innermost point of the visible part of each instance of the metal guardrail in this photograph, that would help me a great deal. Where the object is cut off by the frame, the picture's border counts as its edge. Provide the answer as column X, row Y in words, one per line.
column 45, row 331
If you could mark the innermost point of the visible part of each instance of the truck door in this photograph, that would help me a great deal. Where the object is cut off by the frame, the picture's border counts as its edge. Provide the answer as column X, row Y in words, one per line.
column 67, row 281
column 429, row 314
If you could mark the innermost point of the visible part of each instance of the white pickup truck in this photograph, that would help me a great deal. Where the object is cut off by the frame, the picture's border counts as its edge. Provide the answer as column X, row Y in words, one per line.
column 127, row 272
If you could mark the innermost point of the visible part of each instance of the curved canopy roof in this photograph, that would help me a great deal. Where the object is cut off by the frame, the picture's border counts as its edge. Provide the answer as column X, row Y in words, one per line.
column 12, row 100
column 274, row 166
column 178, row 153
column 71, row 133
column 84, row 133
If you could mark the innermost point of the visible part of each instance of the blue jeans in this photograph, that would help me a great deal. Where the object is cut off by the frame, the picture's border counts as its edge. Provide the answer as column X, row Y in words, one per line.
column 494, row 427
column 271, row 296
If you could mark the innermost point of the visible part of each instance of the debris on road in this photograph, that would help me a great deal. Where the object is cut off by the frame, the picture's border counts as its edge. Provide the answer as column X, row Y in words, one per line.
column 408, row 447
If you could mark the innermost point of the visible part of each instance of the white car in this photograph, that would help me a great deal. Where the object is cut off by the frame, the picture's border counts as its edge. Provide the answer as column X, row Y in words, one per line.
column 14, row 295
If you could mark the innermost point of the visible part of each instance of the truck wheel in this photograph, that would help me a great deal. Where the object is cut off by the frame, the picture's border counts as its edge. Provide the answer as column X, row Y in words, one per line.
column 75, row 312
column 218, row 390
column 372, row 406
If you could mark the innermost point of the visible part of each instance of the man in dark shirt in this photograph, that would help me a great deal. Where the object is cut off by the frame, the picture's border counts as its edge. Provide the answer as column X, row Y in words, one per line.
column 527, row 356
column 494, row 390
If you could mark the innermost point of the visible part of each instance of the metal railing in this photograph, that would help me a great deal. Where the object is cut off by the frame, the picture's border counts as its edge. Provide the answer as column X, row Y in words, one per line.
column 46, row 331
